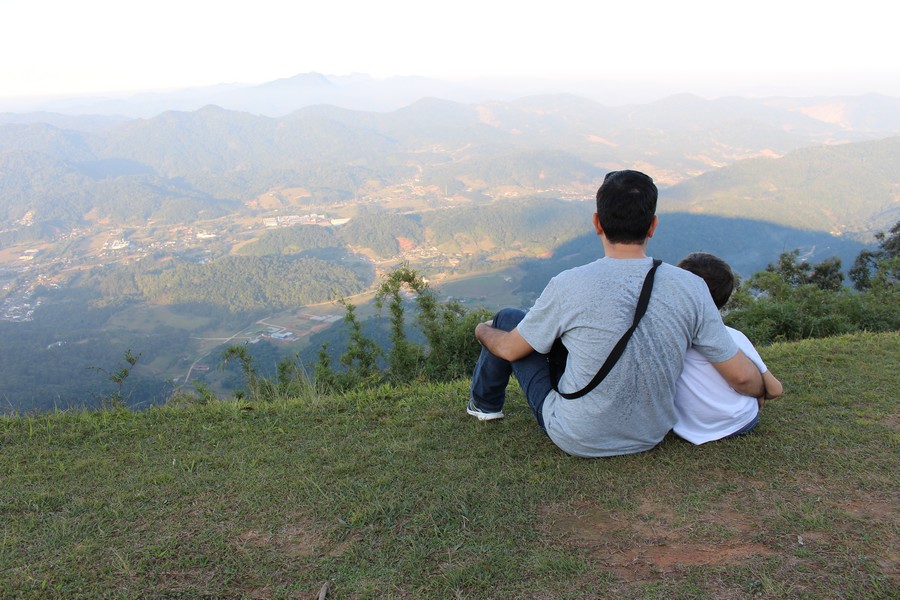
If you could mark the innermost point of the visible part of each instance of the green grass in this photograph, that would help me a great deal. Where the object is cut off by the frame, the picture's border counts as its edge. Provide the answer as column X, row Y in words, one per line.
column 396, row 493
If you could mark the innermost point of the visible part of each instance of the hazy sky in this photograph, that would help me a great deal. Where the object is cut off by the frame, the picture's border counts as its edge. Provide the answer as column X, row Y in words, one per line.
column 69, row 47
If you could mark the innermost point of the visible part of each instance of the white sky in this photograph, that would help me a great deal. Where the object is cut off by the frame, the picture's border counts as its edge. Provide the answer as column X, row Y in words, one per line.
column 86, row 46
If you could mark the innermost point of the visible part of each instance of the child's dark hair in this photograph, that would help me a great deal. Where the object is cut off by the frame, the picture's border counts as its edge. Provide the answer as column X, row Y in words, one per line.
column 715, row 272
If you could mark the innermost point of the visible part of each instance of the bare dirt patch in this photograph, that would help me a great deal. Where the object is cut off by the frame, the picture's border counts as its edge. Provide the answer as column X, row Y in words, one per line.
column 406, row 244
column 653, row 541
column 299, row 540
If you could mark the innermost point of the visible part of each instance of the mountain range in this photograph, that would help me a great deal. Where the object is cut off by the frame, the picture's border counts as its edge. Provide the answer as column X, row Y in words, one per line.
column 827, row 164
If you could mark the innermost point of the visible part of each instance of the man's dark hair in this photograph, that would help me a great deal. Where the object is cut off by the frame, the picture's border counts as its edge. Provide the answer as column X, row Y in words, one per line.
column 715, row 272
column 626, row 205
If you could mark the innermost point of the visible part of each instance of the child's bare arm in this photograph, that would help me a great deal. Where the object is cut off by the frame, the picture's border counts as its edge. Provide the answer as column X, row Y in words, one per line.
column 774, row 388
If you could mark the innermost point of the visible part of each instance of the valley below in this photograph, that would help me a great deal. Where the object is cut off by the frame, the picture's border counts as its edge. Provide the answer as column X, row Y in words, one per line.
column 176, row 236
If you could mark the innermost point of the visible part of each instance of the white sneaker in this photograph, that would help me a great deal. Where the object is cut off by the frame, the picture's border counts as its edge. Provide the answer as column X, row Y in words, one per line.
column 482, row 415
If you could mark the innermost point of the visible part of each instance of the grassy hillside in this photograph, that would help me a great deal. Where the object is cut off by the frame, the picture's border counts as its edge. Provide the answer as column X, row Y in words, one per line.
column 396, row 493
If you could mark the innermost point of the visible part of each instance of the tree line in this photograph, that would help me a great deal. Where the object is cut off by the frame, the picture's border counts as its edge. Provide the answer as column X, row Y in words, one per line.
column 237, row 283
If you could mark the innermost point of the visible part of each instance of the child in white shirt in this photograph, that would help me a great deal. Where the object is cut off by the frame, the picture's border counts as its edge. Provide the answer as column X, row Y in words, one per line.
column 706, row 406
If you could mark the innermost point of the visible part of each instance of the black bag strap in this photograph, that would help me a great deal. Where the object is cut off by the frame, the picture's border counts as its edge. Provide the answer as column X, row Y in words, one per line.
column 619, row 348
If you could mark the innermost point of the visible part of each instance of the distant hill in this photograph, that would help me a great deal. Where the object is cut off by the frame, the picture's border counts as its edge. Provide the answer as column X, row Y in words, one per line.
column 870, row 112
column 275, row 98
column 850, row 188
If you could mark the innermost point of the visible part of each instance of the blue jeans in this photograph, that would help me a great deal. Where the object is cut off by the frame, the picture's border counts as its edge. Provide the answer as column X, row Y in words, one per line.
column 492, row 373
column 745, row 429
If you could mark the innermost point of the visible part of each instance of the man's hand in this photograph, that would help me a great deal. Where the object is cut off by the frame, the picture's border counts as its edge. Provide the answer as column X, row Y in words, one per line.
column 479, row 330
column 508, row 345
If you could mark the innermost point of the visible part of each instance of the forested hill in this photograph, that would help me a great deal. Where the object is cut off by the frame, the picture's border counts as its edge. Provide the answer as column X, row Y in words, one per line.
column 843, row 188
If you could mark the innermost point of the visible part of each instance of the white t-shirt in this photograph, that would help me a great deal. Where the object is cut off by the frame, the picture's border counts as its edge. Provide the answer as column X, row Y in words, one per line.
column 706, row 406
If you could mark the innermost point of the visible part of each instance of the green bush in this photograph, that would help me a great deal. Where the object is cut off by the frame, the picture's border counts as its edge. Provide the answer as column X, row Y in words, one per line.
column 449, row 351
column 793, row 300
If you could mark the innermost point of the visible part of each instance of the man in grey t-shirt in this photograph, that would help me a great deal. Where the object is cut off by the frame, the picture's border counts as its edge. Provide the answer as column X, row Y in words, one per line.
column 590, row 307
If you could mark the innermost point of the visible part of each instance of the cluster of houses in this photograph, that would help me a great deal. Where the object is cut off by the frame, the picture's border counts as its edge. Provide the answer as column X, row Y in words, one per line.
column 293, row 220
column 281, row 334
column 117, row 244
column 19, row 302
column 19, row 309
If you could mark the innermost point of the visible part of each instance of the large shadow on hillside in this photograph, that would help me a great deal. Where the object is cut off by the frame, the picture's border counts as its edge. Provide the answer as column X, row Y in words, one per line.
column 747, row 245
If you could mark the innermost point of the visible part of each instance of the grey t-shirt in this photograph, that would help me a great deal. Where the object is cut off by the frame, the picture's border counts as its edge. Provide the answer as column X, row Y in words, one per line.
column 590, row 307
